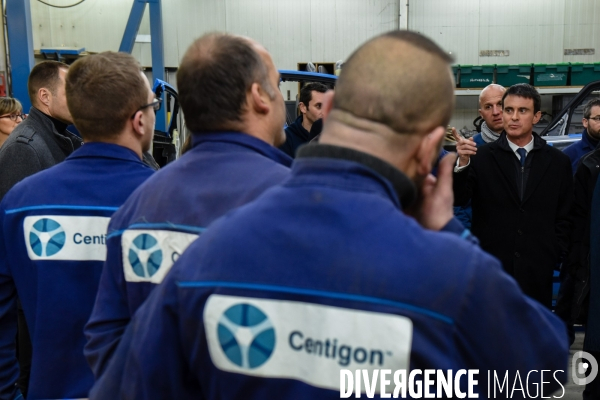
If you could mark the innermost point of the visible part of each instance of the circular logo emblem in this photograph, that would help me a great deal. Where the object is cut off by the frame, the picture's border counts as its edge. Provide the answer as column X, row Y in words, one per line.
column 246, row 336
column 145, row 255
column 46, row 237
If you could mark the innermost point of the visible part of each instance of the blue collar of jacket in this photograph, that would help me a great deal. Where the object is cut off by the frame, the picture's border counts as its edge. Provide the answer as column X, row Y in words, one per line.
column 105, row 150
column 588, row 142
column 382, row 176
column 244, row 140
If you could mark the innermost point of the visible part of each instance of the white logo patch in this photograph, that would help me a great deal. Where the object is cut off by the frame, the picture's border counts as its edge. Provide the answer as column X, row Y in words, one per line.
column 303, row 341
column 59, row 237
column 148, row 255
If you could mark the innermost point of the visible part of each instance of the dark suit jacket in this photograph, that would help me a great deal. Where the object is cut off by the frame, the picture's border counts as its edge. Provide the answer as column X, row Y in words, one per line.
column 529, row 234
column 33, row 146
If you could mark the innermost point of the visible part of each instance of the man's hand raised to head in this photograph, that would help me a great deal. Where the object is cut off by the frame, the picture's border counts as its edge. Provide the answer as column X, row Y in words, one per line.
column 464, row 147
column 437, row 198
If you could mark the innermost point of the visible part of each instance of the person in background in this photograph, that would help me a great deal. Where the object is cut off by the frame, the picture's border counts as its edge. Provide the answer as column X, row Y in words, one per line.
column 311, row 110
column 11, row 115
column 233, row 160
column 590, row 135
column 42, row 140
column 490, row 110
column 54, row 223
column 521, row 191
column 584, row 161
column 352, row 252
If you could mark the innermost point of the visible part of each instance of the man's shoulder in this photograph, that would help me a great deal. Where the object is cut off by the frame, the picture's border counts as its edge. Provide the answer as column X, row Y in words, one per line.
column 24, row 136
column 557, row 154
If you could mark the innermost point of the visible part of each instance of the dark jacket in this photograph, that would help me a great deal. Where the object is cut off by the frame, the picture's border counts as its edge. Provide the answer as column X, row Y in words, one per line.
column 592, row 332
column 577, row 263
column 580, row 148
column 296, row 136
column 527, row 234
column 34, row 145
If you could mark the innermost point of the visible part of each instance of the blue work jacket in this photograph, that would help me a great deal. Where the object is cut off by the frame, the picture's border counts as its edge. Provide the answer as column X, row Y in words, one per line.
column 221, row 172
column 324, row 273
column 53, row 247
column 580, row 148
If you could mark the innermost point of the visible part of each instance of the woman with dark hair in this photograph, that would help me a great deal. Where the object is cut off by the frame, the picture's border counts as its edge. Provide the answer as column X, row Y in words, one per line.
column 11, row 114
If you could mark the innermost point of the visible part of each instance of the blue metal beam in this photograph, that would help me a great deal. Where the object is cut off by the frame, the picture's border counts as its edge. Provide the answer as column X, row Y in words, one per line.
column 156, row 33
column 20, row 47
column 158, row 56
column 133, row 26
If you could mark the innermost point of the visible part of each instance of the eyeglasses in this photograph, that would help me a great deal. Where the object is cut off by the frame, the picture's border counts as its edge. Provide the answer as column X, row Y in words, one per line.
column 155, row 104
column 596, row 118
column 15, row 117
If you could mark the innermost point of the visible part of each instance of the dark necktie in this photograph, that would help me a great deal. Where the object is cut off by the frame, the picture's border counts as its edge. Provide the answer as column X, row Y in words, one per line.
column 523, row 153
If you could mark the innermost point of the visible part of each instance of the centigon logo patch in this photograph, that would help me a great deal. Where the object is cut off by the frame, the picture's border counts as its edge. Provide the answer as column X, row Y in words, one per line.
column 59, row 237
column 148, row 255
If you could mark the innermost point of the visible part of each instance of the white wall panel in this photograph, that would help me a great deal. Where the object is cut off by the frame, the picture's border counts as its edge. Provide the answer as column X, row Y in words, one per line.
column 293, row 31
column 533, row 31
column 582, row 29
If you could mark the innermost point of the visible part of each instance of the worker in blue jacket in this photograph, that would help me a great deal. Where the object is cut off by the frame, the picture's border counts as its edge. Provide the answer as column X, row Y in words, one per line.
column 237, row 117
column 54, row 225
column 590, row 135
column 328, row 273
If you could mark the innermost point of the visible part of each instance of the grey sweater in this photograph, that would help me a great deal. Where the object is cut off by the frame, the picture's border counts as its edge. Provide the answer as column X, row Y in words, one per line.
column 34, row 145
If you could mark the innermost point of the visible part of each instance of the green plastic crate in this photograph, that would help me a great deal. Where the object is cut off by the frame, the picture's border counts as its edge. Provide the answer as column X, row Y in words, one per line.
column 550, row 74
column 582, row 74
column 455, row 70
column 474, row 76
column 508, row 75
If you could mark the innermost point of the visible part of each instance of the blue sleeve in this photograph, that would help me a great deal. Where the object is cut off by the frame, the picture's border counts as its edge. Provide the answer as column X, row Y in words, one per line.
column 150, row 358
column 464, row 214
column 456, row 227
column 9, row 368
column 110, row 315
column 500, row 329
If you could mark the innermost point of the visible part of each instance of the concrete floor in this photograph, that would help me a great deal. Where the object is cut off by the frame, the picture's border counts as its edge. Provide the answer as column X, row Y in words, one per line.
column 573, row 391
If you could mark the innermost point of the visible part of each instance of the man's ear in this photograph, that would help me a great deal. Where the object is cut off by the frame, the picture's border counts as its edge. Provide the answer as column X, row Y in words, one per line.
column 302, row 108
column 259, row 99
column 585, row 122
column 536, row 117
column 137, row 123
column 327, row 103
column 43, row 96
column 429, row 150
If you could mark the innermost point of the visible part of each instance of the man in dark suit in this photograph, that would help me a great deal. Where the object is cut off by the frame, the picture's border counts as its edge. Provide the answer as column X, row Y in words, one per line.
column 521, row 191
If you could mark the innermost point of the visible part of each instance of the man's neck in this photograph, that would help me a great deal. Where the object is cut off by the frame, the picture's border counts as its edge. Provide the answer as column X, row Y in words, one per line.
column 60, row 126
column 592, row 139
column 306, row 124
column 521, row 141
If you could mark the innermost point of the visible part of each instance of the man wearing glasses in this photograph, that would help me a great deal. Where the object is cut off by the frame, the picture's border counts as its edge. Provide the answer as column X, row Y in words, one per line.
column 54, row 225
column 590, row 137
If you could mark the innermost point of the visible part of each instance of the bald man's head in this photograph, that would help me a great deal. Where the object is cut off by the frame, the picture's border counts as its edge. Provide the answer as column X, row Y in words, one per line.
column 400, row 79
column 490, row 106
